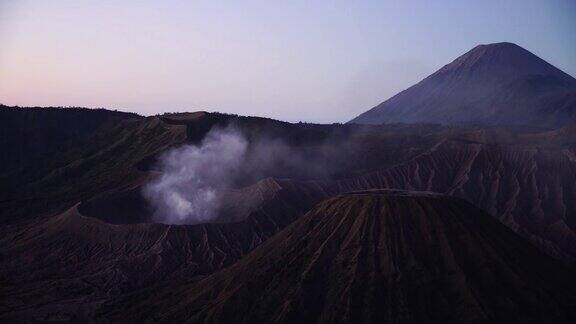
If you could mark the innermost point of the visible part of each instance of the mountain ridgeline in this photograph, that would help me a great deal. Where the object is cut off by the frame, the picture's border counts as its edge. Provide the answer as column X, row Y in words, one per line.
column 494, row 84
column 454, row 202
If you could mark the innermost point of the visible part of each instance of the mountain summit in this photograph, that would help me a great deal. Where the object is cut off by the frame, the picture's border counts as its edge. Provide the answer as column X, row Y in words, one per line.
column 494, row 84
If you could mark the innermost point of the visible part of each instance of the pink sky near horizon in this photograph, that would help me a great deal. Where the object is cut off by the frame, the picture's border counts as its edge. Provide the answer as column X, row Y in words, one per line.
column 319, row 62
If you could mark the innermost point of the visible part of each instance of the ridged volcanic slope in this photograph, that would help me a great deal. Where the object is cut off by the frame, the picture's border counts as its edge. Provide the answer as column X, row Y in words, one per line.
column 377, row 256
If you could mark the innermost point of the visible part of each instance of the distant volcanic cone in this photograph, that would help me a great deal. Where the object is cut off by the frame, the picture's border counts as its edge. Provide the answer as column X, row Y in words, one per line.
column 494, row 84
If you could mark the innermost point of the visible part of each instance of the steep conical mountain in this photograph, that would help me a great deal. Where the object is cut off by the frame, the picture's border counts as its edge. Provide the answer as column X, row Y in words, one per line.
column 375, row 257
column 494, row 84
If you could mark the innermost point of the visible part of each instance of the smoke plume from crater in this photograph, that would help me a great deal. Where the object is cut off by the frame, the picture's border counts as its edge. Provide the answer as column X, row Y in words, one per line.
column 196, row 179
column 193, row 176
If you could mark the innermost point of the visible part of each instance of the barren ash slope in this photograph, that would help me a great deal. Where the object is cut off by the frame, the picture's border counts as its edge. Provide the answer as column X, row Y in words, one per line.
column 493, row 84
column 375, row 256
column 60, row 260
column 65, row 266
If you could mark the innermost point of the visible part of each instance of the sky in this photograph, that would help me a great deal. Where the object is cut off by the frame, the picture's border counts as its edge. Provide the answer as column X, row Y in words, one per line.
column 315, row 61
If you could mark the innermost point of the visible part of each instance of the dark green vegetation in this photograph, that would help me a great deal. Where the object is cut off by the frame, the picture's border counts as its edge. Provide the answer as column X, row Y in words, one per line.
column 76, row 242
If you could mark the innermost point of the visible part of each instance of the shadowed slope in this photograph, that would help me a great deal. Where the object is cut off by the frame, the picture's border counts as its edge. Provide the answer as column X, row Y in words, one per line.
column 68, row 264
column 530, row 189
column 28, row 134
column 378, row 256
column 101, row 161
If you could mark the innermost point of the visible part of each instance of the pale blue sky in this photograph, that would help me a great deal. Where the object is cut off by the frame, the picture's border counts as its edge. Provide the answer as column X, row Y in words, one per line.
column 320, row 61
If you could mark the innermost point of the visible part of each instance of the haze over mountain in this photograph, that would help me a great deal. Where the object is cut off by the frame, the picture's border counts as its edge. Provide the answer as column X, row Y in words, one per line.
column 494, row 84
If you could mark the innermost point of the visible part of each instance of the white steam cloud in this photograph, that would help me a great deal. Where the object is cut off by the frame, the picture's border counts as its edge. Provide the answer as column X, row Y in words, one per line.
column 198, row 181
column 193, row 177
